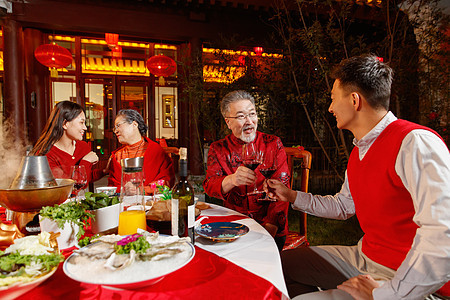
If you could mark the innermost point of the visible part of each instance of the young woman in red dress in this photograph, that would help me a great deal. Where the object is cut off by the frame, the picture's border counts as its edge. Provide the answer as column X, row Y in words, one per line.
column 62, row 141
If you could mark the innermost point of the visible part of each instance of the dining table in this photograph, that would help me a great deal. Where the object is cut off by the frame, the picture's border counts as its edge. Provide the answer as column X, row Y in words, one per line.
column 248, row 267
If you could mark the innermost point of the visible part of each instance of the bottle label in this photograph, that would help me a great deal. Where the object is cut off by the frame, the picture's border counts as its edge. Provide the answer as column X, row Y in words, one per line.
column 174, row 217
column 191, row 216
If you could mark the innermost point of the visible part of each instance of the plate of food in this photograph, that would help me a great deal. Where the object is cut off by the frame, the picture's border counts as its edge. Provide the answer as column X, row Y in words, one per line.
column 221, row 231
column 129, row 262
column 27, row 263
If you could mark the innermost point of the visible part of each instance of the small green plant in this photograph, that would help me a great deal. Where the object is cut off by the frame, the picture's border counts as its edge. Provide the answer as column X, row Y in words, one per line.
column 165, row 191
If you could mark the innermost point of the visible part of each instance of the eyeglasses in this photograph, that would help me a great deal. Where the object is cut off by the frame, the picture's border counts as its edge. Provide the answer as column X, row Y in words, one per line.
column 242, row 117
column 118, row 125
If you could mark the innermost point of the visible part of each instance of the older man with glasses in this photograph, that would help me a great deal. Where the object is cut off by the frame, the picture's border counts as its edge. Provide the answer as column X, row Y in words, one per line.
column 228, row 179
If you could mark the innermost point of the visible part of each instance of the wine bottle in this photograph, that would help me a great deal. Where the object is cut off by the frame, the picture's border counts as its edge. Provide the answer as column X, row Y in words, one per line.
column 183, row 206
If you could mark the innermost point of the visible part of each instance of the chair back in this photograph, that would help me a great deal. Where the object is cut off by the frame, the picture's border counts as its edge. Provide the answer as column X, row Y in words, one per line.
column 305, row 166
column 174, row 154
column 299, row 164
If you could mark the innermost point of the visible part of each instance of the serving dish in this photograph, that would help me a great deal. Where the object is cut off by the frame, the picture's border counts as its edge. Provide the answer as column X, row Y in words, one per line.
column 221, row 231
column 138, row 274
column 17, row 289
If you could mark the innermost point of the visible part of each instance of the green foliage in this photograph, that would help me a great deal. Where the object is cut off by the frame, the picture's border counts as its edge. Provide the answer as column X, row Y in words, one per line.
column 72, row 212
column 99, row 200
column 333, row 232
column 165, row 191
column 322, row 231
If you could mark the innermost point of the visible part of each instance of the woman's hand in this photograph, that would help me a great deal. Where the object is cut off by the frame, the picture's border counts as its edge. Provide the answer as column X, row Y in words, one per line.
column 91, row 157
column 129, row 189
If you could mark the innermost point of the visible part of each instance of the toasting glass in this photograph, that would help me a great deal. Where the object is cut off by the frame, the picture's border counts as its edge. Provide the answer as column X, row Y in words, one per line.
column 252, row 158
column 268, row 168
column 79, row 175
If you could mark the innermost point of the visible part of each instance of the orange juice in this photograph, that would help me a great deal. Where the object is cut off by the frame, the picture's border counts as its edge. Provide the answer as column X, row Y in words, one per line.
column 130, row 221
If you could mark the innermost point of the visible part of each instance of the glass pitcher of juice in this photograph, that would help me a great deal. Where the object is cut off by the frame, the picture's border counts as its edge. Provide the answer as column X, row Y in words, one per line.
column 132, row 203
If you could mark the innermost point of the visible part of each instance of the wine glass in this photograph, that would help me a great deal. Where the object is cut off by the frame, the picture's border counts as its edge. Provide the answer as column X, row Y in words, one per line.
column 252, row 158
column 79, row 175
column 267, row 169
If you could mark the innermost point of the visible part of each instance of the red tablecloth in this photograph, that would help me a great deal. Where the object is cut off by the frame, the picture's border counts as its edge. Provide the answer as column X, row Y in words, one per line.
column 207, row 276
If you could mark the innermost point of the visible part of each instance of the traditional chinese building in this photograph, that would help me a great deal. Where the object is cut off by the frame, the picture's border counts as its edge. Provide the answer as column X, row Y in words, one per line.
column 110, row 44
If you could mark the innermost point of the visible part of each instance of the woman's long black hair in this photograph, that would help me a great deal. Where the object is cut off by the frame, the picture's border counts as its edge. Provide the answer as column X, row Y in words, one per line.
column 53, row 130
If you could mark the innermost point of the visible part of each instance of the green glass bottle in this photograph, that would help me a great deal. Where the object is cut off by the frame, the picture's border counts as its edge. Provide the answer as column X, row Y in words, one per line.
column 183, row 205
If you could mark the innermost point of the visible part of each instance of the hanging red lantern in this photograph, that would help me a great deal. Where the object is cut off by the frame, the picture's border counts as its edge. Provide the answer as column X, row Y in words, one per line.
column 161, row 66
column 112, row 40
column 53, row 56
column 258, row 50
column 241, row 60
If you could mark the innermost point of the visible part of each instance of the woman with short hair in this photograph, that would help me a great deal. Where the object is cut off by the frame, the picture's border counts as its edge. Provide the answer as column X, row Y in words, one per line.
column 130, row 130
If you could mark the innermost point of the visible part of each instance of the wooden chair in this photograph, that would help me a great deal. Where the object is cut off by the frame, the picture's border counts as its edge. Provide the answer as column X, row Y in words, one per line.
column 299, row 163
column 174, row 154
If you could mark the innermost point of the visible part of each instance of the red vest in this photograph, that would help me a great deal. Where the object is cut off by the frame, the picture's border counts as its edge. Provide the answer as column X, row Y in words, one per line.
column 383, row 205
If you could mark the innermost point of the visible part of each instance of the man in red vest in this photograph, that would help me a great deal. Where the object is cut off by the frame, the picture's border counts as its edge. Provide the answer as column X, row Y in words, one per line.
column 397, row 183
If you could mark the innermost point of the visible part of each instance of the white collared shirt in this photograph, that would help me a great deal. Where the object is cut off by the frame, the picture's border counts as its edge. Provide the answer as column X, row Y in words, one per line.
column 423, row 165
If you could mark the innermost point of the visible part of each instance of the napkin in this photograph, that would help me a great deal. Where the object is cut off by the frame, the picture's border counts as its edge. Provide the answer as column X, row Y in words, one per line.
column 230, row 218
column 8, row 233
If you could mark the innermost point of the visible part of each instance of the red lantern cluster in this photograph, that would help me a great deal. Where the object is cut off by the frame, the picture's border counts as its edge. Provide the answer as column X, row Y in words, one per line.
column 161, row 65
column 258, row 50
column 53, row 56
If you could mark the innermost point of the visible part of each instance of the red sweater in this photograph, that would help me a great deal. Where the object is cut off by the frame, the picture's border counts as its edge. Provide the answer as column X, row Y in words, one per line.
column 157, row 165
column 383, row 205
column 61, row 161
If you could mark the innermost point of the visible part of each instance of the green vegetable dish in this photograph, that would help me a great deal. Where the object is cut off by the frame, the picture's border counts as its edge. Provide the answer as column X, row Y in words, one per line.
column 98, row 200
column 73, row 212
column 14, row 264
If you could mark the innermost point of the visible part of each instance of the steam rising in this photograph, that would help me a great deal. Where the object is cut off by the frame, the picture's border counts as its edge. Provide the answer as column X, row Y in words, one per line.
column 12, row 149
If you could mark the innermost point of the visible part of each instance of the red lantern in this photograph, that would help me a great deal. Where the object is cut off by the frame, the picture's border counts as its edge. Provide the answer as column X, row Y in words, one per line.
column 258, row 50
column 53, row 56
column 112, row 40
column 161, row 65
column 241, row 60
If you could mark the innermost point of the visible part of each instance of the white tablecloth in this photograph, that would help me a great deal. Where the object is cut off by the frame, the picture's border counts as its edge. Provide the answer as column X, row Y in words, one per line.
column 256, row 251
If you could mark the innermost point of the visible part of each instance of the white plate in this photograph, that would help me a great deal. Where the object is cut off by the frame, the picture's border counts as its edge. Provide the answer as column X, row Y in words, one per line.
column 17, row 289
column 138, row 274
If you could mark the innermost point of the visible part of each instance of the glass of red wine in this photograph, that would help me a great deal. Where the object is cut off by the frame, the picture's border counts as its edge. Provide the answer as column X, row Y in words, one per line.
column 79, row 175
column 267, row 169
column 252, row 158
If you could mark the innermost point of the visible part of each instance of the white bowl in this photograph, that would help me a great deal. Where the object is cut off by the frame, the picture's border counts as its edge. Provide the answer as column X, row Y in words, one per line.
column 106, row 218
column 68, row 237
column 108, row 190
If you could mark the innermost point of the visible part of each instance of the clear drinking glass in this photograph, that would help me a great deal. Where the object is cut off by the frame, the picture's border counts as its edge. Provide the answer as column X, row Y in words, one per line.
column 79, row 175
column 268, row 168
column 252, row 158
